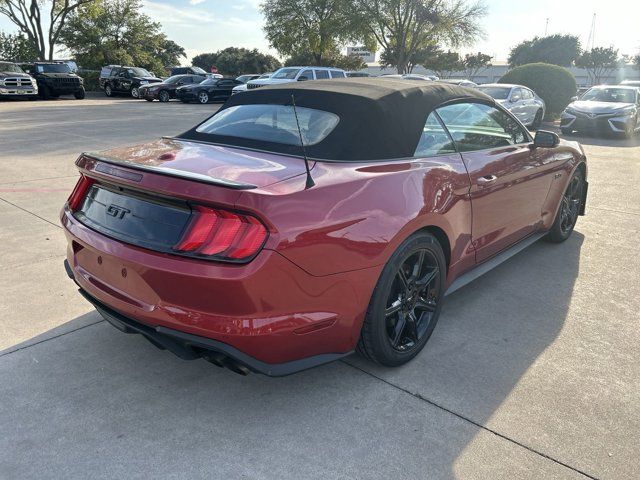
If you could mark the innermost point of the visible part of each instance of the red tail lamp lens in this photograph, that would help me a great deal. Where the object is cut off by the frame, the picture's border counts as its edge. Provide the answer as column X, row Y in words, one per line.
column 79, row 192
column 223, row 234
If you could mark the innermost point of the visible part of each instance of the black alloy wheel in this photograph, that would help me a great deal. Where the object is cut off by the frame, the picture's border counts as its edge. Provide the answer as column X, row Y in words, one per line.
column 406, row 302
column 164, row 96
column 412, row 301
column 569, row 210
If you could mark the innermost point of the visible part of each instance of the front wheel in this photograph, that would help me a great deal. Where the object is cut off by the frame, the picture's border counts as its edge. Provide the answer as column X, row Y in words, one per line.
column 79, row 94
column 406, row 302
column 163, row 96
column 569, row 210
column 135, row 93
column 108, row 91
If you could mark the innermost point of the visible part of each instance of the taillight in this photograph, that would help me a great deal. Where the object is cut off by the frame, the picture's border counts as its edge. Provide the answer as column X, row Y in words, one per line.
column 222, row 234
column 79, row 192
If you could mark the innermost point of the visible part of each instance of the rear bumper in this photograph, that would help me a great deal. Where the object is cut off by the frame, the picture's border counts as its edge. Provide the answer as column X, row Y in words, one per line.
column 269, row 311
column 191, row 347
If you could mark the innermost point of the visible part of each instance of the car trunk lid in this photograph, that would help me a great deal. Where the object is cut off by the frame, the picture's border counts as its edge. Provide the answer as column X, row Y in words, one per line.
column 233, row 168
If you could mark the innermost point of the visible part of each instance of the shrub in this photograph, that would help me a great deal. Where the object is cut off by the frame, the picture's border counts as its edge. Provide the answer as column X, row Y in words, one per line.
column 555, row 85
column 91, row 80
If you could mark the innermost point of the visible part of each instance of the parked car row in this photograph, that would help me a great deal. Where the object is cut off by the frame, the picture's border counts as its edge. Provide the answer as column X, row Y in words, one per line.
column 39, row 80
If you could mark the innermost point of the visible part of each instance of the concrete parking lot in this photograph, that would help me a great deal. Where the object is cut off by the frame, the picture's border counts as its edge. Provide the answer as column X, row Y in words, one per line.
column 532, row 372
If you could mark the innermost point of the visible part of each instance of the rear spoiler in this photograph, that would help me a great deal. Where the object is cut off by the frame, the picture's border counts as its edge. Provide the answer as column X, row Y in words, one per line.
column 171, row 172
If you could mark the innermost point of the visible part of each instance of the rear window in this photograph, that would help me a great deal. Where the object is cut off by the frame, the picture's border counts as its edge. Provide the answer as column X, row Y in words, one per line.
column 337, row 74
column 271, row 123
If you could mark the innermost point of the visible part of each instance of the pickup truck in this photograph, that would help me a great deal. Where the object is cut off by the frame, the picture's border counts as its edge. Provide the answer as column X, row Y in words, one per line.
column 14, row 82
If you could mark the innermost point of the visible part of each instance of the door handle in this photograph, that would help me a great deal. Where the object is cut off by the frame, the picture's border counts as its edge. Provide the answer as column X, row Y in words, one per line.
column 487, row 180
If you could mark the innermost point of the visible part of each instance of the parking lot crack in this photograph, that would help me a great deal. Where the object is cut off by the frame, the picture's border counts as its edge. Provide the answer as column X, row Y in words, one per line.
column 29, row 212
column 473, row 422
column 44, row 340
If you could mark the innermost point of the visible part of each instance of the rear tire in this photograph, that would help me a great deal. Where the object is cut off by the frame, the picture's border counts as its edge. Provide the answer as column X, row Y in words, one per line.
column 537, row 121
column 203, row 97
column 568, row 211
column 406, row 302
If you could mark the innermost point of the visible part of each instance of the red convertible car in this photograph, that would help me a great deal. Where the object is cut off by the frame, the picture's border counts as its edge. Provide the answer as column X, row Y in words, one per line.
column 304, row 221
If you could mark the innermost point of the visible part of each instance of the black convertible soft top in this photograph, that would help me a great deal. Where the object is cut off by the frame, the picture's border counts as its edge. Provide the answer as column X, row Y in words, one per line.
column 379, row 118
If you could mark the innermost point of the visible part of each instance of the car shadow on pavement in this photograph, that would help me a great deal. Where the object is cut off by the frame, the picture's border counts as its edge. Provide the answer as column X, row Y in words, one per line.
column 96, row 400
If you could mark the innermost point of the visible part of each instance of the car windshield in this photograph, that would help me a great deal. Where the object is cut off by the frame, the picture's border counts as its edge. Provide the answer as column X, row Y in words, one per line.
column 139, row 72
column 53, row 68
column 287, row 73
column 10, row 68
column 272, row 123
column 174, row 79
column 612, row 95
column 209, row 81
column 499, row 93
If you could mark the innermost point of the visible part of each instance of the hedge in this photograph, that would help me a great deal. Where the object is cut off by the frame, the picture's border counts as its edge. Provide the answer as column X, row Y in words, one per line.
column 91, row 80
column 554, row 84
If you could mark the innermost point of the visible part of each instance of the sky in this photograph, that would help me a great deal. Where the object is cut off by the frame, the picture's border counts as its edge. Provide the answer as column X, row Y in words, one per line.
column 209, row 25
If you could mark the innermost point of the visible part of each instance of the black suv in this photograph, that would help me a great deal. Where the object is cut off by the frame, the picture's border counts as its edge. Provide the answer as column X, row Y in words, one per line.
column 118, row 80
column 55, row 79
column 15, row 83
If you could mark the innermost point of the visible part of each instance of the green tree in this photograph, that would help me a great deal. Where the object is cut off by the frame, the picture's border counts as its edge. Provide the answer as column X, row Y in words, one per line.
column 405, row 27
column 235, row 61
column 116, row 32
column 599, row 63
column 332, row 59
column 16, row 47
column 556, row 85
column 41, row 21
column 473, row 63
column 444, row 63
column 319, row 27
column 554, row 49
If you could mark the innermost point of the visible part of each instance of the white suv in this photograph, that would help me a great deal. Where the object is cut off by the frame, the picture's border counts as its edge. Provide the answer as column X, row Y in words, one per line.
column 297, row 74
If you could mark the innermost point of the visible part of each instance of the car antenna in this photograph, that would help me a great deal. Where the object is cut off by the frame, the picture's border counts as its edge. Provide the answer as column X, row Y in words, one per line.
column 310, row 183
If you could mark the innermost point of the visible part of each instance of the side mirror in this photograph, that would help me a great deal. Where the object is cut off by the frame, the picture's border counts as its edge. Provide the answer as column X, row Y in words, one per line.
column 574, row 99
column 303, row 78
column 545, row 139
column 515, row 98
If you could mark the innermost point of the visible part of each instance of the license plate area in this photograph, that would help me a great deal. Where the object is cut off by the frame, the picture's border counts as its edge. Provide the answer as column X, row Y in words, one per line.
column 134, row 218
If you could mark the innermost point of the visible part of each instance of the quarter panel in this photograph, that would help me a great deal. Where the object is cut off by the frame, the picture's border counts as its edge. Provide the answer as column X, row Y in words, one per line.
column 357, row 214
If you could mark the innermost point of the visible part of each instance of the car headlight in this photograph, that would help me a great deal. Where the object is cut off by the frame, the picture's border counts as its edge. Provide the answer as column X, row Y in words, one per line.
column 2, row 82
column 143, row 82
column 628, row 112
column 570, row 111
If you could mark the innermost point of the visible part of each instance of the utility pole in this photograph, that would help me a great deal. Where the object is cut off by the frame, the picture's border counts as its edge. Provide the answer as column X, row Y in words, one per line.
column 592, row 34
column 546, row 27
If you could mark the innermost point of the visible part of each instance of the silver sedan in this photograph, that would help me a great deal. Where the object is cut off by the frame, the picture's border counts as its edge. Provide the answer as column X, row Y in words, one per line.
column 523, row 102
